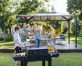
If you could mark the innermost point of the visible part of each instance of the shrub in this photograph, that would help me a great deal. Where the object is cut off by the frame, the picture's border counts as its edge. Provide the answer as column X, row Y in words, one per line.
column 9, row 38
column 1, row 39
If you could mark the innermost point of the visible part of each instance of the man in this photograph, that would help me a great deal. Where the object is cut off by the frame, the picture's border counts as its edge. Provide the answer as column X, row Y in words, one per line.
column 24, row 34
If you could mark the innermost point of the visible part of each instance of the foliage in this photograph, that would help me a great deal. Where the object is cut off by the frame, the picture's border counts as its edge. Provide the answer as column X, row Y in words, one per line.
column 1, row 39
column 3, row 5
column 10, row 8
column 8, row 38
column 80, row 16
column 30, row 6
column 75, row 6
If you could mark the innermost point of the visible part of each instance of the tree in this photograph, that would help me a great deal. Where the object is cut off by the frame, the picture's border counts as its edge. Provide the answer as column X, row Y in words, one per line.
column 29, row 6
column 3, row 5
column 10, row 8
column 74, row 6
column 8, row 13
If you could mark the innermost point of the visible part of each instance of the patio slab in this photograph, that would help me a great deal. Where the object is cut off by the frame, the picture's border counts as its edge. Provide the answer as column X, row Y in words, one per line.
column 61, row 47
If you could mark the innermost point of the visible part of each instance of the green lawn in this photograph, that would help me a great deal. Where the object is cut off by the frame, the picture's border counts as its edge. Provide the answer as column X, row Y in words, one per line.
column 65, row 59
column 4, row 43
column 79, row 40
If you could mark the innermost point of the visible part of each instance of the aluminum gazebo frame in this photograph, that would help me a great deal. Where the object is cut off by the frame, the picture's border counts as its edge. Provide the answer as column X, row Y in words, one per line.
column 52, row 16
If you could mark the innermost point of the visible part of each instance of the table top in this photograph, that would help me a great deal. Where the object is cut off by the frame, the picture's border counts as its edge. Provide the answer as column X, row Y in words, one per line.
column 42, row 47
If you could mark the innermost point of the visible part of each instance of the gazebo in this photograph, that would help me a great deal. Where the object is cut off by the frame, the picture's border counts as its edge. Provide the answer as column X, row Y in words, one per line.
column 52, row 16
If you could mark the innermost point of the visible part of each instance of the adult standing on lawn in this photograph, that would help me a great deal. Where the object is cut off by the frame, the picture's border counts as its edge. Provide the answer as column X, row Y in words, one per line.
column 37, row 35
column 24, row 34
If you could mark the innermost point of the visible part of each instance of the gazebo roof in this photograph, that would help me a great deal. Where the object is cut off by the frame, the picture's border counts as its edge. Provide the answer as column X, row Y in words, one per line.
column 47, row 16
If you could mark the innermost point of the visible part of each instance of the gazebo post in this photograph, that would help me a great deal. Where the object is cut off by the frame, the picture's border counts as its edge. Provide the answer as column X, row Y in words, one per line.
column 68, row 31
column 17, row 20
column 75, row 20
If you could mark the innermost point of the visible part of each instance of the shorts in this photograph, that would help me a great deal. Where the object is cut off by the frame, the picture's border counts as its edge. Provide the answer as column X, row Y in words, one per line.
column 18, row 49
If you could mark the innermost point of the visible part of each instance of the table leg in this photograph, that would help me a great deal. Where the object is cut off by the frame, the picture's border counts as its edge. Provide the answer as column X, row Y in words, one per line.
column 50, row 62
column 24, row 61
column 43, row 62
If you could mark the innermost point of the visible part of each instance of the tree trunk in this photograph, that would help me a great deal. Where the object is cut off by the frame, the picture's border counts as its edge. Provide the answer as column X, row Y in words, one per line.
column 10, row 30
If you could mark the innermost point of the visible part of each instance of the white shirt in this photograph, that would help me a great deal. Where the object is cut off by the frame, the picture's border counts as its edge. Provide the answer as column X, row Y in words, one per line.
column 16, row 38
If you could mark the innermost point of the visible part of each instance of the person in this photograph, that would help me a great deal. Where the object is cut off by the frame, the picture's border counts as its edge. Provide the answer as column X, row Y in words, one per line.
column 48, row 34
column 51, row 45
column 53, row 34
column 37, row 36
column 17, row 41
column 41, row 28
column 24, row 34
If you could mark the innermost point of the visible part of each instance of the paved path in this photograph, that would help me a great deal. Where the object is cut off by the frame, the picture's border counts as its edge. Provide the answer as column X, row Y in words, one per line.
column 65, row 45
column 60, row 45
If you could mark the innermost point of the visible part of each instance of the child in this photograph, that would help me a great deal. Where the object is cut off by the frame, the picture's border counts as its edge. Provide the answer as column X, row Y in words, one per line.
column 53, row 37
column 17, row 42
column 53, row 34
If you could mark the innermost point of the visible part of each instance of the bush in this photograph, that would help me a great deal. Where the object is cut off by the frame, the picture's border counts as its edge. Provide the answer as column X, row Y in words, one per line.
column 9, row 38
column 1, row 39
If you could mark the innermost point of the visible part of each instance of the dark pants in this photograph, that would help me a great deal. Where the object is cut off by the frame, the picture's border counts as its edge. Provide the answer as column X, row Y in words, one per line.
column 37, row 43
column 18, row 49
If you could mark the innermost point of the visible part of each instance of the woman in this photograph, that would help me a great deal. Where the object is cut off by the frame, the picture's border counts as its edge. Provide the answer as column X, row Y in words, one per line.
column 37, row 36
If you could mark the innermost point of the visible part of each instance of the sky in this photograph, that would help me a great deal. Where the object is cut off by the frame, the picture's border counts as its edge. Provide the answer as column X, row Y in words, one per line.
column 59, row 5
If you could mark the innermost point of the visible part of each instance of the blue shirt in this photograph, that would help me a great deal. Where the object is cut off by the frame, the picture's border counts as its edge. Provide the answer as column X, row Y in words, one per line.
column 37, row 35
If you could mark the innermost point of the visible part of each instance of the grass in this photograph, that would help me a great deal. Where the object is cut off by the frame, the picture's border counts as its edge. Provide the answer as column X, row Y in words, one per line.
column 4, row 43
column 65, row 59
column 79, row 40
